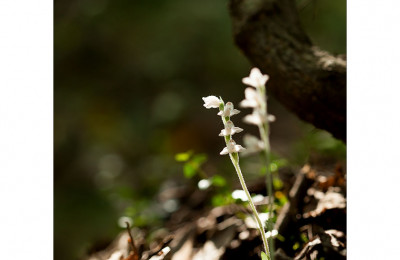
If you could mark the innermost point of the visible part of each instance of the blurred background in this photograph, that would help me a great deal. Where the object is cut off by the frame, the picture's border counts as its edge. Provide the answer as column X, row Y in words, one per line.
column 129, row 77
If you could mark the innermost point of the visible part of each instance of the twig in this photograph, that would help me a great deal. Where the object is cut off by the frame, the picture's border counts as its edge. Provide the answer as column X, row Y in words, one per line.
column 132, row 242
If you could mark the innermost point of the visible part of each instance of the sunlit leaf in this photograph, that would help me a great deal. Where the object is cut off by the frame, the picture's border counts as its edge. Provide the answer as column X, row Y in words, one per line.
column 218, row 181
column 304, row 237
column 281, row 197
column 278, row 184
column 264, row 256
column 273, row 167
column 296, row 246
column 199, row 158
column 189, row 170
column 183, row 157
column 221, row 200
column 218, row 200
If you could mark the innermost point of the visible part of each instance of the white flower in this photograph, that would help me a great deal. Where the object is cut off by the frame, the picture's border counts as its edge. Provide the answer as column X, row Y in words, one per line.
column 232, row 147
column 211, row 102
column 253, row 144
column 228, row 110
column 256, row 118
column 256, row 78
column 230, row 129
column 269, row 234
column 253, row 98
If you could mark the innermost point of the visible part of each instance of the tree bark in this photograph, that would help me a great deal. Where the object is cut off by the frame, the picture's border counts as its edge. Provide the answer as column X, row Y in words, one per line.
column 307, row 80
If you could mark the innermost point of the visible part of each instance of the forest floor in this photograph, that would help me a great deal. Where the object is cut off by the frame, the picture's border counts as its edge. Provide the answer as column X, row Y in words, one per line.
column 310, row 225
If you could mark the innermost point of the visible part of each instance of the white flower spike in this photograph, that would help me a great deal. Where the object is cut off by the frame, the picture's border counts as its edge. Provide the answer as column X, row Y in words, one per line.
column 253, row 99
column 229, row 110
column 256, row 78
column 232, row 147
column 211, row 102
column 230, row 129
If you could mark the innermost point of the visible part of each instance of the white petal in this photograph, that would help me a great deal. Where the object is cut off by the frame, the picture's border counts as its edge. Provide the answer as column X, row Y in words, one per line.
column 239, row 148
column 234, row 112
column 224, row 151
column 249, row 81
column 220, row 113
column 236, row 130
column 254, row 119
column 211, row 102
column 254, row 95
column 273, row 233
column 224, row 132
column 255, row 73
column 256, row 78
column 248, row 103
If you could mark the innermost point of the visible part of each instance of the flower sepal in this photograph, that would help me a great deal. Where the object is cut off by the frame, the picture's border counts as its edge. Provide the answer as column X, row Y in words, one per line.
column 211, row 102
column 231, row 148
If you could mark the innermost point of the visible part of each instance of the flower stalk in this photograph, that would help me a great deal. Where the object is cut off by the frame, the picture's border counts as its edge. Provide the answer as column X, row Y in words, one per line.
column 256, row 98
column 235, row 162
column 226, row 111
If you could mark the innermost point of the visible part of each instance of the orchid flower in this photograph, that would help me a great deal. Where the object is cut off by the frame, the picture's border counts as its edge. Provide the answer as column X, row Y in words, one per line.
column 255, row 118
column 232, row 147
column 229, row 110
column 256, row 78
column 253, row 99
column 226, row 111
column 230, row 129
column 211, row 102
column 256, row 99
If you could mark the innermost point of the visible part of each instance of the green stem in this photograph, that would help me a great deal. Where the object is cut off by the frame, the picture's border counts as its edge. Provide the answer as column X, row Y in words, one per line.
column 265, row 139
column 264, row 134
column 235, row 162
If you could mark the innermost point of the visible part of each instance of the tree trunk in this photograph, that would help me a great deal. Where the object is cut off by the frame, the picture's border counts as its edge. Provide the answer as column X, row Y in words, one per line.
column 310, row 82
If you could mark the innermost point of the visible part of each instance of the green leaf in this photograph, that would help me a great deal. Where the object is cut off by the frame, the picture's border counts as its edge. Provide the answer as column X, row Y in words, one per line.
column 183, row 157
column 222, row 199
column 218, row 181
column 189, row 170
column 273, row 167
column 304, row 237
column 264, row 256
column 278, row 184
column 199, row 158
column 296, row 246
column 218, row 200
